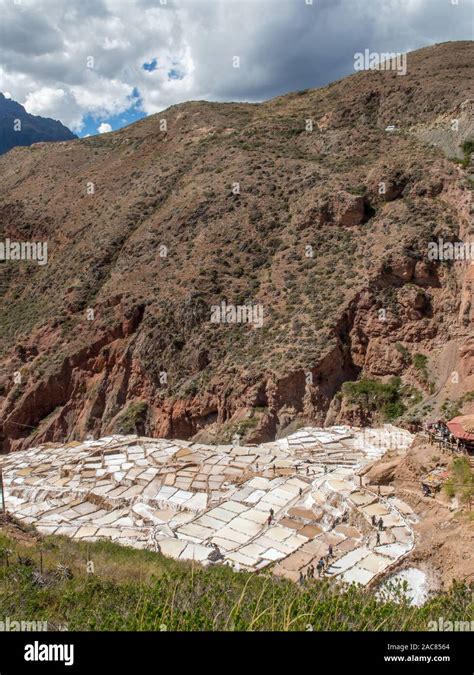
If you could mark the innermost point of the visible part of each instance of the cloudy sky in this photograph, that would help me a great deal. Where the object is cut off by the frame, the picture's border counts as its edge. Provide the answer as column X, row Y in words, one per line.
column 97, row 65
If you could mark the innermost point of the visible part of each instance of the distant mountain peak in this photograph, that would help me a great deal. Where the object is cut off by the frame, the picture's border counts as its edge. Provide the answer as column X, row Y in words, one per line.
column 19, row 128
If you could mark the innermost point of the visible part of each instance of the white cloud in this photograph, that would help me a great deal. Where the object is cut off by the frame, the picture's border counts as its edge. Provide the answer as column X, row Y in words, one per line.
column 56, row 103
column 104, row 128
column 47, row 45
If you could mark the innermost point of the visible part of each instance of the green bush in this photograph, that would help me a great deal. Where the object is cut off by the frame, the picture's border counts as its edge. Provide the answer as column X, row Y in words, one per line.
column 468, row 149
column 376, row 397
column 133, row 419
column 403, row 351
column 420, row 361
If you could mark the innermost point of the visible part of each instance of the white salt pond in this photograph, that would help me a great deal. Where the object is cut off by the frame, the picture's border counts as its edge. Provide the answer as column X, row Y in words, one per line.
column 281, row 505
column 417, row 585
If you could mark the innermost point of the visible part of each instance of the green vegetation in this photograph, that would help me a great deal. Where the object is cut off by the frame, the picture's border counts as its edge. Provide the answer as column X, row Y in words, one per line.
column 403, row 351
column 461, row 482
column 452, row 409
column 420, row 361
column 133, row 419
column 386, row 400
column 19, row 315
column 246, row 425
column 359, row 190
column 377, row 397
column 468, row 149
column 241, row 428
column 191, row 389
column 140, row 590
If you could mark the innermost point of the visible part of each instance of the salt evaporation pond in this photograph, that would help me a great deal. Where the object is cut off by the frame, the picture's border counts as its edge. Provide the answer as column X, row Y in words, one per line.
column 417, row 589
column 277, row 505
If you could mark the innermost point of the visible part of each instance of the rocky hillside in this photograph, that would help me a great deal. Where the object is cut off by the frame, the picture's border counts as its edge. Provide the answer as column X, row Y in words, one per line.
column 305, row 208
column 17, row 127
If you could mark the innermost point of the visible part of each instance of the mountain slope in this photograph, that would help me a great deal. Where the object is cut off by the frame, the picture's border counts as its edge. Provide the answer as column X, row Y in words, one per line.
column 150, row 227
column 19, row 128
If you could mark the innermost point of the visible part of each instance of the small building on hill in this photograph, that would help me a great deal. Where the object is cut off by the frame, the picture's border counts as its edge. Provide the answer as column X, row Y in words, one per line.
column 462, row 428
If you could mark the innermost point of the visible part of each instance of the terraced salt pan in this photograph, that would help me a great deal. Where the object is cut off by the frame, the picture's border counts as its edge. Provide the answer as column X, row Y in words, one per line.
column 186, row 498
column 394, row 551
column 349, row 560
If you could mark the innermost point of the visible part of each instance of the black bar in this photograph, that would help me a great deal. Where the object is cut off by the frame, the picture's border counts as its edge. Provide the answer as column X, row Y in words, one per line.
column 215, row 652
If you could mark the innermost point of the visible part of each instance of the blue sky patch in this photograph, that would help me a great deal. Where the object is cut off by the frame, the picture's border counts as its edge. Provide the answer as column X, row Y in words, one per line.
column 123, row 119
column 151, row 66
column 175, row 74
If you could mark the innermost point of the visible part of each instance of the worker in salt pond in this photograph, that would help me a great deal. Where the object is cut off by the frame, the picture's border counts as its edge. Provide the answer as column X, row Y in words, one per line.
column 320, row 566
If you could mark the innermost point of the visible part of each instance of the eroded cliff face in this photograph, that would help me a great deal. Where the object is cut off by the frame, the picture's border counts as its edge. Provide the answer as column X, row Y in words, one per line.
column 326, row 231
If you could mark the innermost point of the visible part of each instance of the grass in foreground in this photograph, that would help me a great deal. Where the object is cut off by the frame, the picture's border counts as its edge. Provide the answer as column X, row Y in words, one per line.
column 138, row 590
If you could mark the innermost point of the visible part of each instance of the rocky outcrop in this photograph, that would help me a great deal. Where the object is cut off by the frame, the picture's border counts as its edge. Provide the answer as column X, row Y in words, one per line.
column 383, row 472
